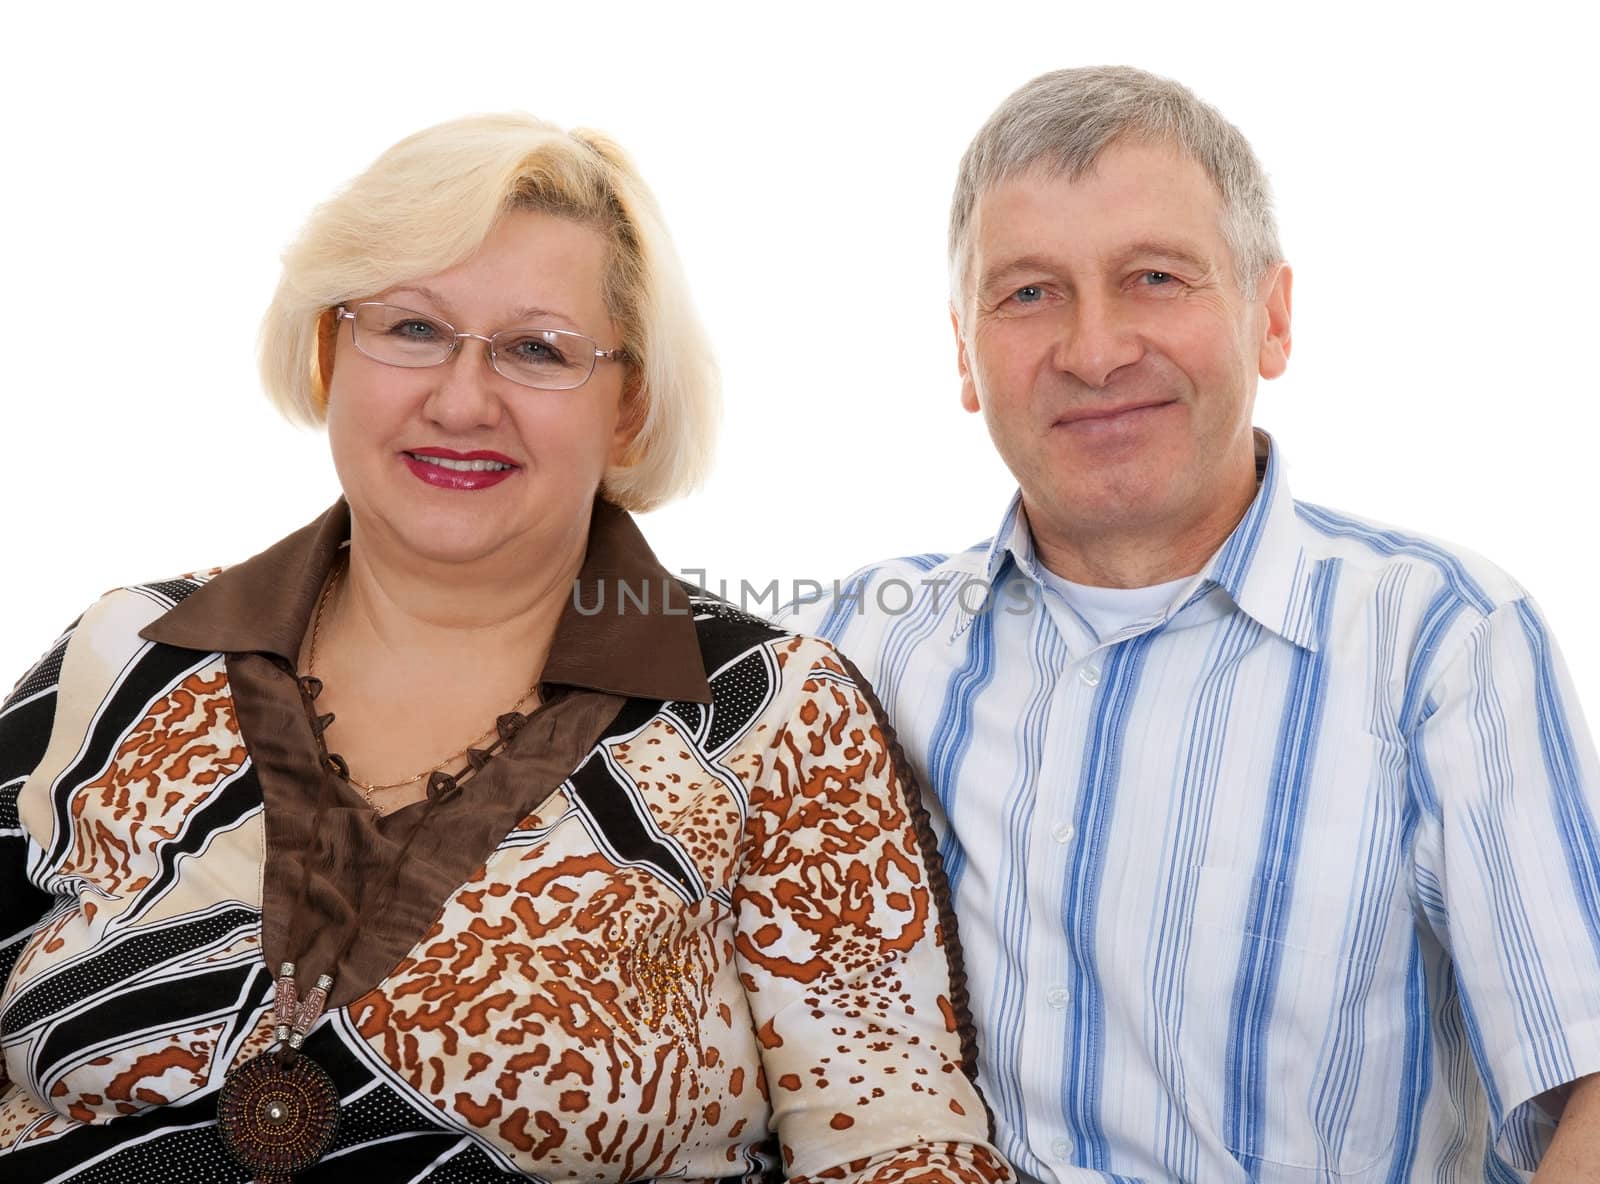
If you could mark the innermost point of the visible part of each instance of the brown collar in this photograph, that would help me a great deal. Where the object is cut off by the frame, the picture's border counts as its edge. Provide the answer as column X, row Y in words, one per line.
column 642, row 644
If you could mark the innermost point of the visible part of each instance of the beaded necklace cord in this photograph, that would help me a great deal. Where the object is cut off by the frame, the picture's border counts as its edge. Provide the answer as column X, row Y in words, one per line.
column 438, row 780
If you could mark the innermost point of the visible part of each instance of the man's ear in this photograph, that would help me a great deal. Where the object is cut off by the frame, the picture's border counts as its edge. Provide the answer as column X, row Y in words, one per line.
column 969, row 389
column 1275, row 336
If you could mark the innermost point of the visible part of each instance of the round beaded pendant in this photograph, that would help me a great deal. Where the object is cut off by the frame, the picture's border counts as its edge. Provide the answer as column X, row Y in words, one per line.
column 278, row 1119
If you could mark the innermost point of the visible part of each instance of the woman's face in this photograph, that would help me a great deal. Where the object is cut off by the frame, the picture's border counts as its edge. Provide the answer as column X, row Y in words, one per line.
column 389, row 427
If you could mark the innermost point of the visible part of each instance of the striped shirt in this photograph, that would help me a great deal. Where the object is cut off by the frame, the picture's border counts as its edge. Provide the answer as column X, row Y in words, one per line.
column 1298, row 879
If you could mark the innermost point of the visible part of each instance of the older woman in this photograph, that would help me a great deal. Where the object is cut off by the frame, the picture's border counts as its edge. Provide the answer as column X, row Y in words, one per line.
column 449, row 838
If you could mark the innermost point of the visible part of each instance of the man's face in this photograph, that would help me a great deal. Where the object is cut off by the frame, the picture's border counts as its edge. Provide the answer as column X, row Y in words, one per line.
column 1111, row 349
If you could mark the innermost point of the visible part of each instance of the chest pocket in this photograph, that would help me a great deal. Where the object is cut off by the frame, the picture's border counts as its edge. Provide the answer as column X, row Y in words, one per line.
column 1300, row 1048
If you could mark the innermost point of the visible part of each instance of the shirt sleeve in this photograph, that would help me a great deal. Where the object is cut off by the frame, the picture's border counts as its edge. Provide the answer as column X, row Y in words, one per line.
column 1508, row 864
column 849, row 955
column 26, row 716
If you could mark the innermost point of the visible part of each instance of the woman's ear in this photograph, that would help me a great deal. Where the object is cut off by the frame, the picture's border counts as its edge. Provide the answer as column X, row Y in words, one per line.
column 327, row 343
column 632, row 411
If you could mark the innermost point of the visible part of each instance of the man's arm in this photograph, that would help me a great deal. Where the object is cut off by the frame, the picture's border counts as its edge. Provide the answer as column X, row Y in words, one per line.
column 1574, row 1153
column 1507, row 857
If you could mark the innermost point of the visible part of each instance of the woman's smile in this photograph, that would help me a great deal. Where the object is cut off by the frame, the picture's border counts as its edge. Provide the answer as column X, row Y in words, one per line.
column 446, row 469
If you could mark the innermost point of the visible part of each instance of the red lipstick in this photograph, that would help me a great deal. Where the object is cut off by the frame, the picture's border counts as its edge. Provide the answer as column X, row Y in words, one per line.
column 463, row 470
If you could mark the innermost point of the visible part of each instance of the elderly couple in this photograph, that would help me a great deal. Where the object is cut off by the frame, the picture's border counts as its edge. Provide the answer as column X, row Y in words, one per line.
column 1272, row 833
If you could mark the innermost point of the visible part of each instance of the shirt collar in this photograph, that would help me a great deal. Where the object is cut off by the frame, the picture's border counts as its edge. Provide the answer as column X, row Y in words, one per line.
column 1013, row 540
column 1261, row 566
column 265, row 605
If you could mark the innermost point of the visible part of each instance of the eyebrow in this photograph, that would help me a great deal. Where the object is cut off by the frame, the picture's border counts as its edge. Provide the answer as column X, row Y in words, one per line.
column 993, row 274
column 421, row 290
column 1155, row 248
column 533, row 310
column 519, row 314
column 1143, row 249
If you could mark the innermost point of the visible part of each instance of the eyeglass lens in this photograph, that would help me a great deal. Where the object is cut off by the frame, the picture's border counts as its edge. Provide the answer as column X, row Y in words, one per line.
column 551, row 359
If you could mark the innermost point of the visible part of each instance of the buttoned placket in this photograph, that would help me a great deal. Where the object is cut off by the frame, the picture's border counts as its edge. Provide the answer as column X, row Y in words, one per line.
column 1057, row 983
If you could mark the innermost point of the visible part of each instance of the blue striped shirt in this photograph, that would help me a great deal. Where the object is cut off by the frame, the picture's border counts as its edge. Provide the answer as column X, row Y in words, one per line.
column 1297, row 880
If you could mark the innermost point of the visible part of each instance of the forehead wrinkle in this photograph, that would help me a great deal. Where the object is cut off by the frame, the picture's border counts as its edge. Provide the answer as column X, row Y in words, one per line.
column 1043, row 172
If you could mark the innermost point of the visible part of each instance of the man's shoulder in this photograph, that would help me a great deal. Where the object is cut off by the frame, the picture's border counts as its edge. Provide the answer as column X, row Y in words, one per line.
column 876, row 596
column 1380, row 552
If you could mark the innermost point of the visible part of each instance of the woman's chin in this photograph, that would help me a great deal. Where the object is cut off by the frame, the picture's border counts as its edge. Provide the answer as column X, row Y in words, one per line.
column 454, row 552
column 455, row 539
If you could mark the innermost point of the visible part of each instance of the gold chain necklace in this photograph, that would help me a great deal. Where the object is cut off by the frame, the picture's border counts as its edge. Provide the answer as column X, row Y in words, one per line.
column 311, row 669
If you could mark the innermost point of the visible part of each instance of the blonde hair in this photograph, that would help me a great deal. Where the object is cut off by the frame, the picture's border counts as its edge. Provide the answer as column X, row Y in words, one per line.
column 429, row 202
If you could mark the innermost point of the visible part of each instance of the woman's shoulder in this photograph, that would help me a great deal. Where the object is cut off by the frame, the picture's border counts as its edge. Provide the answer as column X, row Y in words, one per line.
column 761, row 676
column 161, row 595
column 730, row 635
column 109, row 629
column 130, row 608
column 96, row 680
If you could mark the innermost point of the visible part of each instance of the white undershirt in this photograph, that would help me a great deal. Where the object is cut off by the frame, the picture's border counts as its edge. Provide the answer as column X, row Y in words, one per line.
column 1108, row 611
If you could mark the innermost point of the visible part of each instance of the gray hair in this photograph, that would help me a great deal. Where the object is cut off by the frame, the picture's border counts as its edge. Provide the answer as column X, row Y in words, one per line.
column 1064, row 120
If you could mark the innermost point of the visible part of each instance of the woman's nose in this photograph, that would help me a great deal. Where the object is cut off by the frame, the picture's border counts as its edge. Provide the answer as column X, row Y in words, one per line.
column 466, row 388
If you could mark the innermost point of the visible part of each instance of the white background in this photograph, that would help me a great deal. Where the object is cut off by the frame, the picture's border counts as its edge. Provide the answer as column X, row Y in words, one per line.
column 1433, row 168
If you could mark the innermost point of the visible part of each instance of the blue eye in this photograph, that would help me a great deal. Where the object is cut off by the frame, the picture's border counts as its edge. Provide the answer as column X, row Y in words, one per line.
column 1153, row 279
column 414, row 330
column 537, row 349
column 1032, row 294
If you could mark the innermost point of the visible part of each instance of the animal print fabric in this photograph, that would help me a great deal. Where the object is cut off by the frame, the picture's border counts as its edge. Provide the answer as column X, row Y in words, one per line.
column 718, row 950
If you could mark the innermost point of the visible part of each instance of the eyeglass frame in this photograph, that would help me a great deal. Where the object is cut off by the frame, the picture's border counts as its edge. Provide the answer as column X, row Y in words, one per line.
column 345, row 313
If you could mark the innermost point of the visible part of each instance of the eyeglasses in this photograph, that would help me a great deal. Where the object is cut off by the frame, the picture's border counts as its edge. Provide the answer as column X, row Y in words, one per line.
column 547, row 359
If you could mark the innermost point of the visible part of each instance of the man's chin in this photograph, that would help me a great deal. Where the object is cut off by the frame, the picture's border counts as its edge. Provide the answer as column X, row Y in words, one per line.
column 1106, row 508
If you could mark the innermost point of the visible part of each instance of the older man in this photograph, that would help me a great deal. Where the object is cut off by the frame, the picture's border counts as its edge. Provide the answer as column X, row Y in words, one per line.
column 1272, row 832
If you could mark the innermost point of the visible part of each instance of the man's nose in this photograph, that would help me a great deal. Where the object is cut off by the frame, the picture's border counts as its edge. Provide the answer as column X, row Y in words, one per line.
column 1095, row 340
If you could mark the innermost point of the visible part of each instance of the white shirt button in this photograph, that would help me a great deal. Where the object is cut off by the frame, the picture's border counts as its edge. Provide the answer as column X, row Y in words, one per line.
column 1090, row 676
column 1064, row 832
column 1058, row 997
column 1061, row 1148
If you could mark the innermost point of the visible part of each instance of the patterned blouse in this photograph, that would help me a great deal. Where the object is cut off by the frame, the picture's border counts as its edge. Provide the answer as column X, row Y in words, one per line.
column 686, row 922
